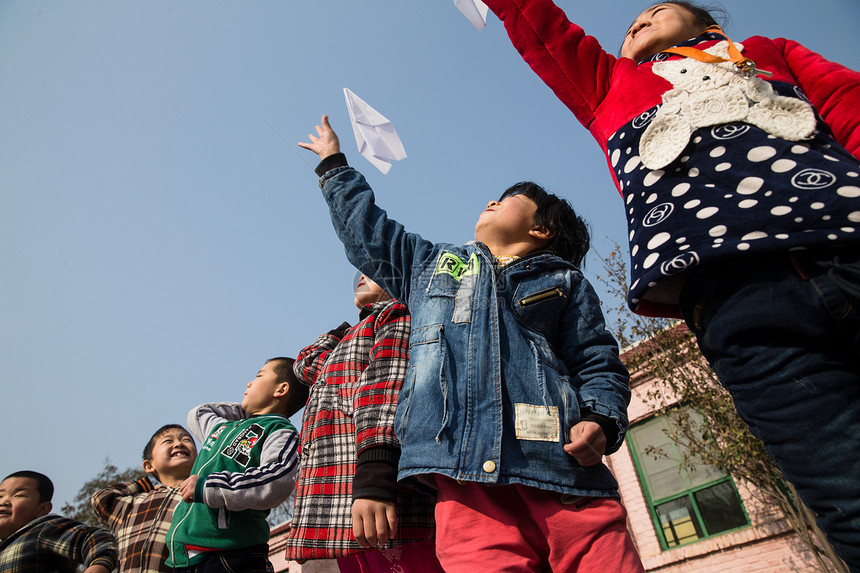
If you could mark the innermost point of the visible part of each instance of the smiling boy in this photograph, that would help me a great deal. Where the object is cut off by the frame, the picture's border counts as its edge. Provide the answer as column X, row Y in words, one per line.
column 514, row 390
column 32, row 540
column 247, row 466
column 138, row 513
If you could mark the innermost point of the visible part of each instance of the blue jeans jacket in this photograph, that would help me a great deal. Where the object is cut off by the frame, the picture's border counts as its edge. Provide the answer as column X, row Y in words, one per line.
column 503, row 361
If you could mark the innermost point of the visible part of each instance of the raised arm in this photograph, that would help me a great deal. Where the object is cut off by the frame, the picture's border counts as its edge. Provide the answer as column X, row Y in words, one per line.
column 310, row 361
column 203, row 419
column 571, row 63
column 832, row 88
column 377, row 246
column 112, row 503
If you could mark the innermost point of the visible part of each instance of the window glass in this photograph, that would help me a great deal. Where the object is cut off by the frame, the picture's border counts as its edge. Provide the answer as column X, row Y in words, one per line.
column 688, row 502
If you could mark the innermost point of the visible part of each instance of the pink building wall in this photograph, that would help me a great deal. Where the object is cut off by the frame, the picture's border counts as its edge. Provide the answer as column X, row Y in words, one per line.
column 768, row 545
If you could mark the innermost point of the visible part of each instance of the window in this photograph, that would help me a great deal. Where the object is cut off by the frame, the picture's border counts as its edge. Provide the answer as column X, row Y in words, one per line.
column 686, row 505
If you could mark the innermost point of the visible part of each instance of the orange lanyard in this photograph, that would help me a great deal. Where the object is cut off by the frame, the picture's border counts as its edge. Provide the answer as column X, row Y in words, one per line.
column 746, row 65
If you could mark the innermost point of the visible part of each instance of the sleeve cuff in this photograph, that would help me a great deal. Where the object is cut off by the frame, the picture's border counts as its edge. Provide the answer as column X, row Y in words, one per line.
column 145, row 484
column 331, row 162
column 198, row 490
column 376, row 474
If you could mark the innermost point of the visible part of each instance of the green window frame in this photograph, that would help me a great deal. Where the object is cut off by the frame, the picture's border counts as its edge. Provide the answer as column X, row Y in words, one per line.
column 687, row 503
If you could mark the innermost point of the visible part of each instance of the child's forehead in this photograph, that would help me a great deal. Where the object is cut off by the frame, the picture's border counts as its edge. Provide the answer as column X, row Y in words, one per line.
column 19, row 484
column 172, row 433
column 649, row 10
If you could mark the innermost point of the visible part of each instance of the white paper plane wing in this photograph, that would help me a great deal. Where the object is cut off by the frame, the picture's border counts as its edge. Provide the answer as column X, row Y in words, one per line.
column 375, row 136
column 474, row 10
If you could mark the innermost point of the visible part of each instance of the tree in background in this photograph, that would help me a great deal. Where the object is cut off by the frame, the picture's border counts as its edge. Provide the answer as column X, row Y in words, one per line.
column 81, row 510
column 710, row 430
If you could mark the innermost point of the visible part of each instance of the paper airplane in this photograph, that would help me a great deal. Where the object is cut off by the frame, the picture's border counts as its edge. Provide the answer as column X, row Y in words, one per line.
column 474, row 10
column 374, row 134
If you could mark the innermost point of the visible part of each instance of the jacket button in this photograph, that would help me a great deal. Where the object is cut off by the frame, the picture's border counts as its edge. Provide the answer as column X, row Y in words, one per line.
column 489, row 466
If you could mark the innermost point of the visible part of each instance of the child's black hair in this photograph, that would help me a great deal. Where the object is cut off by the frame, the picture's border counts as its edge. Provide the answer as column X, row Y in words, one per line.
column 150, row 445
column 703, row 15
column 44, row 485
column 570, row 237
column 297, row 397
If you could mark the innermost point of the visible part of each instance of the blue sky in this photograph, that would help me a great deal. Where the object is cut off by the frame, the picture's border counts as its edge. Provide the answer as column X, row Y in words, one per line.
column 159, row 241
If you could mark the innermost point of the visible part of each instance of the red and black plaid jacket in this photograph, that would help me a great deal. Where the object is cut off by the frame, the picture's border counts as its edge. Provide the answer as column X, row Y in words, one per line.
column 349, row 420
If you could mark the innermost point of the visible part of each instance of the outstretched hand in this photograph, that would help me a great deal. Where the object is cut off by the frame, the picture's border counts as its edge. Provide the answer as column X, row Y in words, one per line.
column 326, row 143
column 374, row 522
column 587, row 443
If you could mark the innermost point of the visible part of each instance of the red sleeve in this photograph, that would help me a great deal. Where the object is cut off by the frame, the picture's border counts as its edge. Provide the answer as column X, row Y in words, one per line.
column 375, row 400
column 832, row 88
column 571, row 63
column 310, row 362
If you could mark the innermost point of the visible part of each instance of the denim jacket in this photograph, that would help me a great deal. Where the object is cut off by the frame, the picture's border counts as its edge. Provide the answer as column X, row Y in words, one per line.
column 503, row 360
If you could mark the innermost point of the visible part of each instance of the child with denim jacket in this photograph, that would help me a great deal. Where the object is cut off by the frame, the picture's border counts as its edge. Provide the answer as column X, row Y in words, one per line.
column 739, row 168
column 514, row 390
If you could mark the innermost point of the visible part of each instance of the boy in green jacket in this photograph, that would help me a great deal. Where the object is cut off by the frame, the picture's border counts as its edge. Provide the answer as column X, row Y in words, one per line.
column 247, row 465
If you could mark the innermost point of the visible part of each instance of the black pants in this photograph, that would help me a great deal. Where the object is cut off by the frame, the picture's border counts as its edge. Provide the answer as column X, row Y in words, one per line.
column 254, row 559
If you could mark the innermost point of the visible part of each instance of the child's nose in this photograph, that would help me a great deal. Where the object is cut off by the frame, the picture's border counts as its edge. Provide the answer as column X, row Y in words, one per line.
column 492, row 204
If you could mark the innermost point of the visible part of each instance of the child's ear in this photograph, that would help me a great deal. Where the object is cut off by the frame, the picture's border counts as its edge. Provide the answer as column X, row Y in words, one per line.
column 282, row 390
column 541, row 233
column 44, row 508
column 148, row 467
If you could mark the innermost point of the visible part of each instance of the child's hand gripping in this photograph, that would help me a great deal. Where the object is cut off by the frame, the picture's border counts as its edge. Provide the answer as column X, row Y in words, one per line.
column 587, row 443
column 374, row 522
column 326, row 144
column 186, row 488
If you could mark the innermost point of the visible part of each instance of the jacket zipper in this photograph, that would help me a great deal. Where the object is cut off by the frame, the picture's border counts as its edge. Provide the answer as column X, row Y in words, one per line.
column 540, row 297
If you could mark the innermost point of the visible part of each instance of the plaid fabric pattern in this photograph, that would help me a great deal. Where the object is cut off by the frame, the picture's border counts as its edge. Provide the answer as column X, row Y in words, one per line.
column 139, row 516
column 54, row 544
column 354, row 388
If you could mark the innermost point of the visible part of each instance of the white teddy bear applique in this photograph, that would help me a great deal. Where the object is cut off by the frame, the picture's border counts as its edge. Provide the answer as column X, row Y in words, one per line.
column 710, row 94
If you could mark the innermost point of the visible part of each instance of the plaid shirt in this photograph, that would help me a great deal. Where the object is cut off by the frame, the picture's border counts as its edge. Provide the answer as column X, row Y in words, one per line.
column 139, row 515
column 54, row 544
column 355, row 384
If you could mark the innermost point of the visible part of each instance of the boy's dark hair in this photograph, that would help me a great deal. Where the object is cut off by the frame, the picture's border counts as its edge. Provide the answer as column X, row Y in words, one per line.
column 44, row 485
column 570, row 237
column 298, row 394
column 147, row 451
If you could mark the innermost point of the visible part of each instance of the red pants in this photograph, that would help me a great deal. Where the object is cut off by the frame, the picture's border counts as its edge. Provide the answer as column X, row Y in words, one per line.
column 518, row 528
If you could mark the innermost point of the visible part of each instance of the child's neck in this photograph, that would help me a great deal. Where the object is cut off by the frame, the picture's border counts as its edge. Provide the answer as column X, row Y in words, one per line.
column 170, row 481
column 272, row 409
column 517, row 250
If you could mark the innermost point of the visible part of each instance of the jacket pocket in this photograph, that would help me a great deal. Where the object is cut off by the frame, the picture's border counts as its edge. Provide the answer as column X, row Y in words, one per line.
column 556, row 388
column 539, row 302
column 425, row 385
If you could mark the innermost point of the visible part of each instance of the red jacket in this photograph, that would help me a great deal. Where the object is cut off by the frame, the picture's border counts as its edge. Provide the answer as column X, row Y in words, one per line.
column 349, row 421
column 730, row 194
